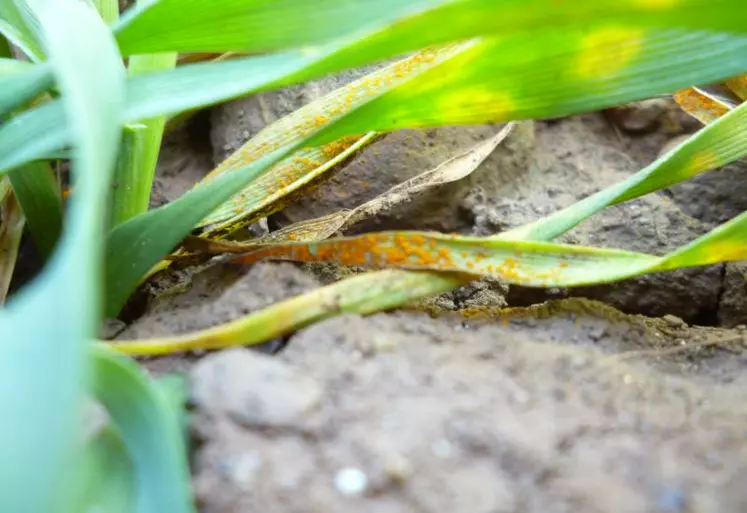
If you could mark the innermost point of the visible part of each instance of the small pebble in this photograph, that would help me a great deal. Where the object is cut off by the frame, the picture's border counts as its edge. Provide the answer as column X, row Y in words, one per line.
column 383, row 344
column 351, row 481
column 398, row 468
column 441, row 448
column 672, row 501
column 674, row 321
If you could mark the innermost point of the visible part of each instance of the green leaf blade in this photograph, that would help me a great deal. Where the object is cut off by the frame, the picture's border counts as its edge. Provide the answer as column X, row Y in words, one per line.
column 242, row 25
column 146, row 419
column 49, row 359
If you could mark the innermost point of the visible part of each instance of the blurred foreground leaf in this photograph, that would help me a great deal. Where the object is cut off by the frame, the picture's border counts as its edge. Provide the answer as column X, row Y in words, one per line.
column 524, row 75
column 108, row 483
column 43, row 365
column 242, row 25
column 146, row 419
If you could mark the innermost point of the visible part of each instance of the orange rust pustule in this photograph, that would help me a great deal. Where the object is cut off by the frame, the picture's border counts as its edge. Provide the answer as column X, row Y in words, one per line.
column 376, row 249
column 696, row 104
column 414, row 251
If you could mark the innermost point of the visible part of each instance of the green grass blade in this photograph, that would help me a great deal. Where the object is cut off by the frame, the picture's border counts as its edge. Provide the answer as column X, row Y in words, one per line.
column 20, row 83
column 109, row 482
column 48, row 359
column 33, row 134
column 5, row 51
column 206, row 83
column 127, row 197
column 460, row 86
column 37, row 132
column 364, row 294
column 721, row 142
column 38, row 193
column 35, row 185
column 553, row 73
column 242, row 25
column 550, row 74
column 19, row 25
column 154, row 128
column 135, row 246
column 153, row 436
column 108, row 10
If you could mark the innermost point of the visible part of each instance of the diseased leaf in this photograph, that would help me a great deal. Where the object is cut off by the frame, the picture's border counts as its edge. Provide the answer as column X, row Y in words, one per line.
column 364, row 294
column 521, row 262
column 242, row 25
column 700, row 106
column 310, row 163
column 518, row 76
column 271, row 191
column 452, row 170
column 726, row 137
column 548, row 74
column 135, row 246
column 739, row 86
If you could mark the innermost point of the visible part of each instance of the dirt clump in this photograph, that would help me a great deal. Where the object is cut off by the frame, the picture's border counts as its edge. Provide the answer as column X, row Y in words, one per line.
column 403, row 412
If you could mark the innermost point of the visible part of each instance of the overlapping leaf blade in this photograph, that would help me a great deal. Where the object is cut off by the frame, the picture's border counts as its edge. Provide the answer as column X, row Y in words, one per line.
column 135, row 246
column 150, row 430
column 38, row 192
column 549, row 74
column 523, row 262
column 578, row 70
column 37, row 132
column 48, row 359
column 523, row 75
column 365, row 294
column 108, row 482
column 452, row 170
column 19, row 25
column 568, row 72
column 234, row 25
column 21, row 82
column 724, row 141
column 309, row 164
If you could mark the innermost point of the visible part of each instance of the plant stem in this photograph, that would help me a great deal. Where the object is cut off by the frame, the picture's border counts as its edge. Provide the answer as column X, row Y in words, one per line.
column 37, row 191
column 127, row 198
column 108, row 9
column 152, row 134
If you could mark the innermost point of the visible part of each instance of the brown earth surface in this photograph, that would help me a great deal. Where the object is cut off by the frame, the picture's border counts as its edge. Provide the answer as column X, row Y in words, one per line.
column 458, row 404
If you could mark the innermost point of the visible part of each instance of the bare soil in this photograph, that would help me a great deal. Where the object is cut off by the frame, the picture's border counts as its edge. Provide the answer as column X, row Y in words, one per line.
column 460, row 404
